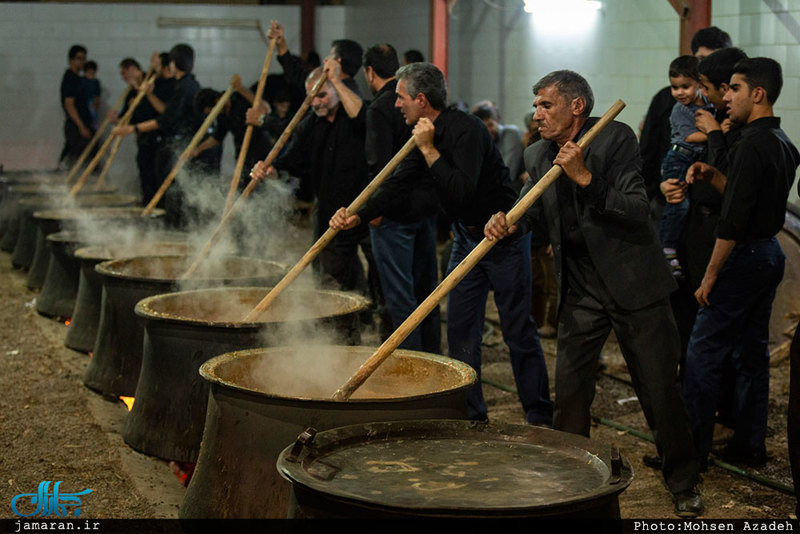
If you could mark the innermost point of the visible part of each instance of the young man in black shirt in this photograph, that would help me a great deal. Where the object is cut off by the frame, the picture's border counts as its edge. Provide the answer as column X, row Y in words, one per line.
column 147, row 143
column 746, row 265
column 78, row 120
column 176, row 124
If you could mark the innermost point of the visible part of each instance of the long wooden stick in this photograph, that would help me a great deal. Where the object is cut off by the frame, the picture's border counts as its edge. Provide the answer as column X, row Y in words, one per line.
column 248, row 134
column 227, row 217
column 102, row 179
column 118, row 141
column 124, row 120
column 330, row 233
column 96, row 136
column 187, row 152
column 463, row 268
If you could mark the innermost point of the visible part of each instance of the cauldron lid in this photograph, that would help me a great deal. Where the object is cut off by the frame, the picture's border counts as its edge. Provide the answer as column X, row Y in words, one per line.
column 440, row 465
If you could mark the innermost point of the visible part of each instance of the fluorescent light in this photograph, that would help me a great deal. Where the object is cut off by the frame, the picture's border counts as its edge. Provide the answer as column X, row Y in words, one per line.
column 560, row 6
column 562, row 16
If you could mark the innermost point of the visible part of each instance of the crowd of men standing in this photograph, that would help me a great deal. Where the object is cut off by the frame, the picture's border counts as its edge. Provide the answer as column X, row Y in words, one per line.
column 710, row 322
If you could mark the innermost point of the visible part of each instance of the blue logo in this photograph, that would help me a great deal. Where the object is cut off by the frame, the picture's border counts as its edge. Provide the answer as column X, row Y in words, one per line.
column 48, row 503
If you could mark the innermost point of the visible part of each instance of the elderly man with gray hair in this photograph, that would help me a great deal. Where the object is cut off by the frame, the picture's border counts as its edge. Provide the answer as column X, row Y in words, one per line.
column 611, row 273
column 456, row 155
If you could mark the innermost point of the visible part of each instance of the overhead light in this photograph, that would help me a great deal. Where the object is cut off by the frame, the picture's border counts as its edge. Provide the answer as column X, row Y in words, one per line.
column 560, row 6
column 563, row 17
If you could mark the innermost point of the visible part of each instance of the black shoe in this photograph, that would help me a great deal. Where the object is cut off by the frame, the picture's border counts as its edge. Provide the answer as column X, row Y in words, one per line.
column 653, row 461
column 734, row 456
column 688, row 503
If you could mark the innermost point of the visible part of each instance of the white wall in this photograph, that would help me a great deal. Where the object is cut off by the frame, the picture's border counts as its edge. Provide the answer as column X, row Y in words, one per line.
column 404, row 25
column 36, row 38
column 496, row 52
column 499, row 54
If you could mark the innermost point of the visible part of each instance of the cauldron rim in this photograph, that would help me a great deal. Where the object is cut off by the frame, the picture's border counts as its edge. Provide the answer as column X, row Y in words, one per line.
column 96, row 212
column 207, row 368
column 65, row 236
column 23, row 176
column 51, row 201
column 348, row 435
column 143, row 307
column 86, row 252
column 105, row 269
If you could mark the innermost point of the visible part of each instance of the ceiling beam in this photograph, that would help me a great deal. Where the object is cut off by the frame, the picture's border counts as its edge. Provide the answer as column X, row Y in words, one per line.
column 439, row 32
column 694, row 15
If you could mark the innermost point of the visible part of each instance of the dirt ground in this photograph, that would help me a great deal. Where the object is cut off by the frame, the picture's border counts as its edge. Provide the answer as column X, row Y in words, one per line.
column 53, row 428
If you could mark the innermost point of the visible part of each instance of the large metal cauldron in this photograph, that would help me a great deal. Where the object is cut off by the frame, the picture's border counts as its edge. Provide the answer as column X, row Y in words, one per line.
column 100, row 214
column 8, row 200
column 57, row 298
column 260, row 400
column 117, row 356
column 22, row 232
column 183, row 330
column 82, row 330
column 447, row 469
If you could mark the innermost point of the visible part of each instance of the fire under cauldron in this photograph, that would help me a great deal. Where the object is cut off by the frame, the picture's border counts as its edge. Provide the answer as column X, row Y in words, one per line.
column 449, row 469
column 82, row 330
column 185, row 329
column 260, row 400
column 117, row 355
column 49, row 220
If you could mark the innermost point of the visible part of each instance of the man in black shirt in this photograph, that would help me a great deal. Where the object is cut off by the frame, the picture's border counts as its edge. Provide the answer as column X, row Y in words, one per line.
column 746, row 265
column 611, row 273
column 147, row 143
column 327, row 153
column 402, row 214
column 347, row 51
column 456, row 154
column 78, row 118
column 232, row 119
column 176, row 124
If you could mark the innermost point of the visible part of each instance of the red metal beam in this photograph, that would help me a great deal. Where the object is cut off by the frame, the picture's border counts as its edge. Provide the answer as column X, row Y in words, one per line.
column 440, row 33
column 694, row 15
column 307, row 16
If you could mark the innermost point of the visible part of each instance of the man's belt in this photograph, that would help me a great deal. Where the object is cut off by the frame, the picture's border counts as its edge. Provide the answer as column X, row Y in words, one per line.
column 682, row 150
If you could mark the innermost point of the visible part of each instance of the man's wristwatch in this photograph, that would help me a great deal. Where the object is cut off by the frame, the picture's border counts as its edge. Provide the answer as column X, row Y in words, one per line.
column 261, row 119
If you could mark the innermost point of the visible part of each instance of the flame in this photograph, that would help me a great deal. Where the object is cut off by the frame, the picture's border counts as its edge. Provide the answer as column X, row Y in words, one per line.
column 90, row 353
column 66, row 323
column 128, row 402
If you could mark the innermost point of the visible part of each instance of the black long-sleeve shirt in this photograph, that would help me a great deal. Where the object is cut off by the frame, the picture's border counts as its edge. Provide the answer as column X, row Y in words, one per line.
column 235, row 122
column 163, row 88
column 403, row 197
column 179, row 118
column 760, row 172
column 328, row 157
column 295, row 74
column 654, row 142
column 470, row 177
